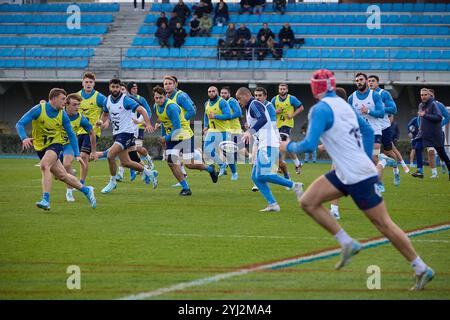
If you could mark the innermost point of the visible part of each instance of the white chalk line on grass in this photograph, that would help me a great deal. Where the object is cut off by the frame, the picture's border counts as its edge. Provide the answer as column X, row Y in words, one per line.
column 306, row 258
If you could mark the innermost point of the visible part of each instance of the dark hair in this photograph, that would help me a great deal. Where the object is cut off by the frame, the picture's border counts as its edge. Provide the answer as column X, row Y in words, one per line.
column 171, row 78
column 55, row 92
column 159, row 90
column 74, row 96
column 261, row 89
column 283, row 85
column 361, row 74
column 341, row 93
column 375, row 77
column 131, row 84
column 123, row 84
column 226, row 88
column 115, row 81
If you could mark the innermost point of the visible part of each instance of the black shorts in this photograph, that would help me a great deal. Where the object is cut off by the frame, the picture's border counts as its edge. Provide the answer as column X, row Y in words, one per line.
column 84, row 143
column 57, row 148
column 140, row 134
column 386, row 139
column 124, row 139
column 285, row 132
column 364, row 193
column 174, row 148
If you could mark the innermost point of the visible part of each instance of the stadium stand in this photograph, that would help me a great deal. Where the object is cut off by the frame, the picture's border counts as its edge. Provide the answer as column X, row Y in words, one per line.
column 36, row 36
column 336, row 37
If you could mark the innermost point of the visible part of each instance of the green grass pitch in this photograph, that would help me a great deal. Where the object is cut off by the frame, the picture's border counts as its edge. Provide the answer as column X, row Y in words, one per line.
column 139, row 239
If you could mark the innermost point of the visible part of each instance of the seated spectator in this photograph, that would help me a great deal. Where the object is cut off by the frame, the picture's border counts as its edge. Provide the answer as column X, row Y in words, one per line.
column 221, row 15
column 162, row 19
column 265, row 32
column 279, row 6
column 195, row 26
column 202, row 7
column 205, row 25
column 179, row 34
column 245, row 7
column 182, row 11
column 243, row 33
column 163, row 34
column 286, row 36
column 221, row 50
column 231, row 34
column 238, row 49
column 257, row 6
column 276, row 49
column 208, row 7
column 174, row 20
column 262, row 50
column 251, row 49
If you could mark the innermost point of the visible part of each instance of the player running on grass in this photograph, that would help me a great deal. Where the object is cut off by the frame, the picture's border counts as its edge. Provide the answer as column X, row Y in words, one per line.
column 265, row 167
column 340, row 128
column 49, row 123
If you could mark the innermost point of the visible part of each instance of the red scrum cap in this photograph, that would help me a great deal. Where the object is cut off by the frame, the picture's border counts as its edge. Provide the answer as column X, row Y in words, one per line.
column 322, row 81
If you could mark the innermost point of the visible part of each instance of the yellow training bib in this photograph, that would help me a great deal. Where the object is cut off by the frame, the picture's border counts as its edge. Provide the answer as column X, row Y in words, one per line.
column 288, row 108
column 185, row 132
column 47, row 131
column 216, row 125
column 235, row 124
column 76, row 125
column 91, row 111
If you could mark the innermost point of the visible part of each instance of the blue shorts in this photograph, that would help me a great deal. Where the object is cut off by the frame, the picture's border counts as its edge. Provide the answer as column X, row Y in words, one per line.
column 84, row 143
column 68, row 150
column 364, row 193
column 57, row 148
column 140, row 134
column 378, row 138
column 267, row 161
column 174, row 148
column 285, row 132
column 386, row 139
column 124, row 139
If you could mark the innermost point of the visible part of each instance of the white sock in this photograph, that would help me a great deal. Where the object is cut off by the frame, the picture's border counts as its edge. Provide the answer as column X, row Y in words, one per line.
column 403, row 163
column 343, row 238
column 121, row 170
column 112, row 179
column 296, row 162
column 334, row 208
column 434, row 171
column 418, row 265
column 149, row 159
column 69, row 190
column 396, row 171
column 383, row 163
column 183, row 170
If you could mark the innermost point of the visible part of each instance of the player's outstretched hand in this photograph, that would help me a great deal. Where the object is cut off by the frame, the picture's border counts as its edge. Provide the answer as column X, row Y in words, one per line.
column 149, row 129
column 27, row 143
column 93, row 156
column 105, row 124
column 321, row 147
column 246, row 137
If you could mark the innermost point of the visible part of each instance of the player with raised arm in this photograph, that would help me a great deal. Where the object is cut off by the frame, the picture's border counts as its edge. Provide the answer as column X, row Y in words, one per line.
column 340, row 128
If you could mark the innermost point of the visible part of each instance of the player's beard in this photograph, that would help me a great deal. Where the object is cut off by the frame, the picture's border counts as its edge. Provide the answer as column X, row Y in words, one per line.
column 362, row 87
column 116, row 94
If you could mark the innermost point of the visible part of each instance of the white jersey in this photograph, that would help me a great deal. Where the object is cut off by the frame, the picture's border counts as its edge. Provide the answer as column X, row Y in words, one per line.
column 344, row 144
column 385, row 122
column 376, row 123
column 121, row 118
column 266, row 135
column 274, row 122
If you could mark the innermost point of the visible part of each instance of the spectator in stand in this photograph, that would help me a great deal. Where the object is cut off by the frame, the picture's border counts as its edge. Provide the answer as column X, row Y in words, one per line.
column 265, row 32
column 286, row 36
column 251, row 49
column 276, row 49
column 221, row 15
column 202, row 7
column 279, row 6
column 245, row 7
column 179, row 34
column 238, row 49
column 205, row 25
column 222, row 50
column 135, row 5
column 162, row 19
column 182, row 11
column 208, row 7
column 174, row 20
column 262, row 48
column 243, row 33
column 195, row 26
column 257, row 6
column 231, row 35
column 163, row 34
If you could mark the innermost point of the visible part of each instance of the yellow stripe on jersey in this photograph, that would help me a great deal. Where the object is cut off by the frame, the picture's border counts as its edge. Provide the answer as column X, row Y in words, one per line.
column 76, row 125
column 215, row 125
column 288, row 108
column 47, row 131
column 91, row 111
column 185, row 132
